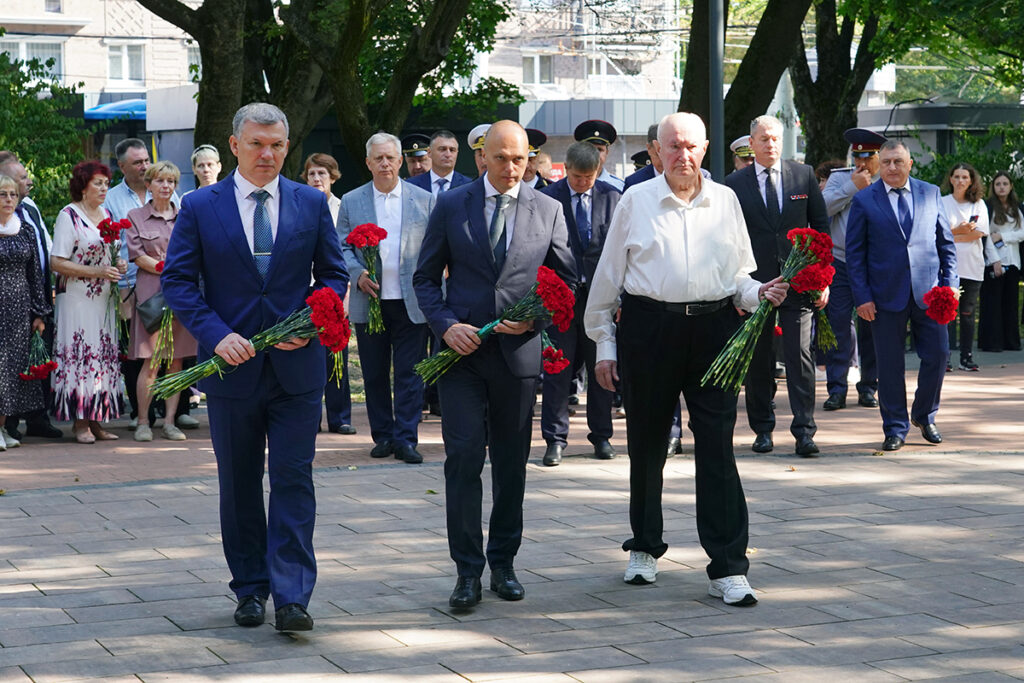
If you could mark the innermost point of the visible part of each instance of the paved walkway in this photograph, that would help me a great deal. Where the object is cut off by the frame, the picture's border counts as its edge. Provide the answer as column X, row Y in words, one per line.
column 902, row 567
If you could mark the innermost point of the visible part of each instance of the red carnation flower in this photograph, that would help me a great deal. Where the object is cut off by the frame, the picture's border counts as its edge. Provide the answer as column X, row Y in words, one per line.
column 554, row 360
column 813, row 278
column 778, row 331
column 556, row 297
column 941, row 304
column 159, row 267
column 366, row 235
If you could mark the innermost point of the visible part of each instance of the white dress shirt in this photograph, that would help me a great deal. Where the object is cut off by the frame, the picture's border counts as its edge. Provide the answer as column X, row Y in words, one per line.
column 776, row 179
column 894, row 198
column 664, row 248
column 434, row 189
column 491, row 204
column 971, row 257
column 388, row 207
column 247, row 205
column 334, row 206
column 1012, row 232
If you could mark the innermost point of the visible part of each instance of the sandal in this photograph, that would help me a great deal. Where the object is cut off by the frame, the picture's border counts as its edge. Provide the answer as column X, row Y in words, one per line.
column 100, row 433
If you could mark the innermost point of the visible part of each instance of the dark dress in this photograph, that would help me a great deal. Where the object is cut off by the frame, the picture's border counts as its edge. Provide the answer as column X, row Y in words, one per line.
column 21, row 300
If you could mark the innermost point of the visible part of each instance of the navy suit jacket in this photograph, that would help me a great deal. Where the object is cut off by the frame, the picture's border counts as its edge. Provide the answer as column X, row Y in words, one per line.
column 802, row 206
column 604, row 199
column 211, row 283
column 477, row 293
column 645, row 173
column 422, row 181
column 884, row 266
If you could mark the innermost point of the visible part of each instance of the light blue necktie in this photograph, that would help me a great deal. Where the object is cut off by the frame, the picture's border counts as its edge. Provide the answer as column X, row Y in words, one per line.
column 442, row 185
column 262, row 237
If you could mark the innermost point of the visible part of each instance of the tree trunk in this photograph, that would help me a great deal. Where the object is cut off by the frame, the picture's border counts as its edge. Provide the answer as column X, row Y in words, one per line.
column 828, row 105
column 696, row 95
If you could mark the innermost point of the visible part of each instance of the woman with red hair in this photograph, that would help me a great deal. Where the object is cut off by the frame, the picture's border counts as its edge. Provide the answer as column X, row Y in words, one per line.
column 87, row 383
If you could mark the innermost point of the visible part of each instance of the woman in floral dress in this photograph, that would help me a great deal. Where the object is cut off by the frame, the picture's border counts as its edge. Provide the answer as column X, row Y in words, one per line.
column 87, row 383
column 22, row 307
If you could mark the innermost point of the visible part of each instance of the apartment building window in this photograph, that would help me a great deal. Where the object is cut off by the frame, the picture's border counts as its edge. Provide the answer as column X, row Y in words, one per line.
column 126, row 63
column 54, row 5
column 596, row 66
column 27, row 50
column 195, row 63
column 538, row 69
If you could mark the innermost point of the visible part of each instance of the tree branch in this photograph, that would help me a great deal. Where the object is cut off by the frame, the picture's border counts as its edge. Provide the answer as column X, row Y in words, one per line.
column 177, row 13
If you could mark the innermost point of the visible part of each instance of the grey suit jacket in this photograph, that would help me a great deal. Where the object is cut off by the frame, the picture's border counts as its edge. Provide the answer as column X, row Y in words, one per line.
column 356, row 209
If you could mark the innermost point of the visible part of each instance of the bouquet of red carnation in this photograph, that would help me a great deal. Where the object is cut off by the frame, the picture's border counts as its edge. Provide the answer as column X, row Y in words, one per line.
column 39, row 363
column 942, row 304
column 553, row 360
column 813, row 280
column 549, row 296
column 110, row 231
column 323, row 317
column 810, row 249
column 367, row 238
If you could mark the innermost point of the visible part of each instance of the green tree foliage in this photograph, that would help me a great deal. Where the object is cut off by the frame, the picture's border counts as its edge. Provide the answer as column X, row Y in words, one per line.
column 35, row 126
column 1000, row 148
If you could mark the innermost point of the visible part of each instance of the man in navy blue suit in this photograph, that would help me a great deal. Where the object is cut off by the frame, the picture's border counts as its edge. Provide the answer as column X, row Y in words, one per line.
column 587, row 204
column 238, row 262
column 442, row 176
column 491, row 235
column 653, row 168
column 899, row 246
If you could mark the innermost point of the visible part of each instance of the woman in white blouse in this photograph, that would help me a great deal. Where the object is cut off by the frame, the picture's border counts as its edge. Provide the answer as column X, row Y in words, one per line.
column 998, row 324
column 968, row 220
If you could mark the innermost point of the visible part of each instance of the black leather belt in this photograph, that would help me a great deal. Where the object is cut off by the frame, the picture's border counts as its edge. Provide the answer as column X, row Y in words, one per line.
column 686, row 308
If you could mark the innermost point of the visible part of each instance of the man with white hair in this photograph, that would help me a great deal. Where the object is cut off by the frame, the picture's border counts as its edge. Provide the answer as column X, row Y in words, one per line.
column 402, row 209
column 678, row 254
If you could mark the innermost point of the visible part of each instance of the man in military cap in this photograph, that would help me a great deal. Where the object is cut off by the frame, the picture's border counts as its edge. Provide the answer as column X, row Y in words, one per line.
column 602, row 135
column 442, row 176
column 476, row 143
column 742, row 152
column 531, row 177
column 646, row 172
column 640, row 160
column 839, row 191
column 414, row 149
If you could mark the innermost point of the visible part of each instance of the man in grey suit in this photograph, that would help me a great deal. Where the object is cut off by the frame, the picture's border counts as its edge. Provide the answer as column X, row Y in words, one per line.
column 491, row 235
column 402, row 210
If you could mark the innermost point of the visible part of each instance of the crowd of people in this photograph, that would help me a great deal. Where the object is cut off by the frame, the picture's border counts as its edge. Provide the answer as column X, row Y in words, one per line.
column 663, row 264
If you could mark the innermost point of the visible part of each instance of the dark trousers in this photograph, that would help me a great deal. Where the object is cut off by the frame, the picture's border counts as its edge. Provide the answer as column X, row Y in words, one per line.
column 267, row 555
column 889, row 330
column 965, row 319
column 554, row 414
column 837, row 361
column 795, row 318
column 486, row 409
column 661, row 354
column 338, row 394
column 998, row 324
column 402, row 344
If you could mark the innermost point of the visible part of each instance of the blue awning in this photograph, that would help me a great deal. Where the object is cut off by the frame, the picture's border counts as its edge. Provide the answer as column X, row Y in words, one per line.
column 122, row 109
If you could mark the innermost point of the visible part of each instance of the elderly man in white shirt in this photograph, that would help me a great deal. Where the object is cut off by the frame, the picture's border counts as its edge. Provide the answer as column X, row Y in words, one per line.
column 679, row 255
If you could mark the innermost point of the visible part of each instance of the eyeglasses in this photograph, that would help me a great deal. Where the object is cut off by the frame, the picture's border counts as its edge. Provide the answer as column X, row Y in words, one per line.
column 8, row 195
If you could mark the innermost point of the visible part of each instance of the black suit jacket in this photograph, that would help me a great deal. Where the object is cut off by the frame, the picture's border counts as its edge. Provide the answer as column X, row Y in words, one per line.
column 476, row 292
column 802, row 206
column 644, row 174
column 605, row 198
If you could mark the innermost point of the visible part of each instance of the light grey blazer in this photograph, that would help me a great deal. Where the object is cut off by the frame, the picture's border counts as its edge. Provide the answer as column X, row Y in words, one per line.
column 356, row 209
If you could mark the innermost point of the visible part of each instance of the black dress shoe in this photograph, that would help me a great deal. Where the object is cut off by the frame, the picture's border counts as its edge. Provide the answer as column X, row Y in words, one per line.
column 674, row 446
column 867, row 399
column 409, row 454
column 292, row 617
column 574, row 400
column 603, row 450
column 763, row 443
column 434, row 409
column 251, row 610
column 505, row 583
column 806, row 448
column 553, row 455
column 929, row 431
column 383, row 449
column 835, row 401
column 466, row 593
column 343, row 429
column 892, row 443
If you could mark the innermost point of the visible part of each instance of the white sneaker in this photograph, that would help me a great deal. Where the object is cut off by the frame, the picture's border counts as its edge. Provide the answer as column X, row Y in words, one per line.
column 133, row 423
column 143, row 433
column 734, row 590
column 642, row 569
column 9, row 441
column 186, row 422
column 173, row 433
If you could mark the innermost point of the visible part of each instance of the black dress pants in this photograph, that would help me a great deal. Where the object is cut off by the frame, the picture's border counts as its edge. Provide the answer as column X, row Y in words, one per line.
column 663, row 353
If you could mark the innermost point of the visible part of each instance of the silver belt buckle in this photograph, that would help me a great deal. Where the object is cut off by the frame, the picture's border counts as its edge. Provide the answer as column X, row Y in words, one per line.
column 692, row 309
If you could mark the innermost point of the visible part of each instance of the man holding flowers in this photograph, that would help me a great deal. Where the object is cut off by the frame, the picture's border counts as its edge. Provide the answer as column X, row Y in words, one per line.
column 252, row 240
column 492, row 235
column 898, row 247
column 678, row 253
